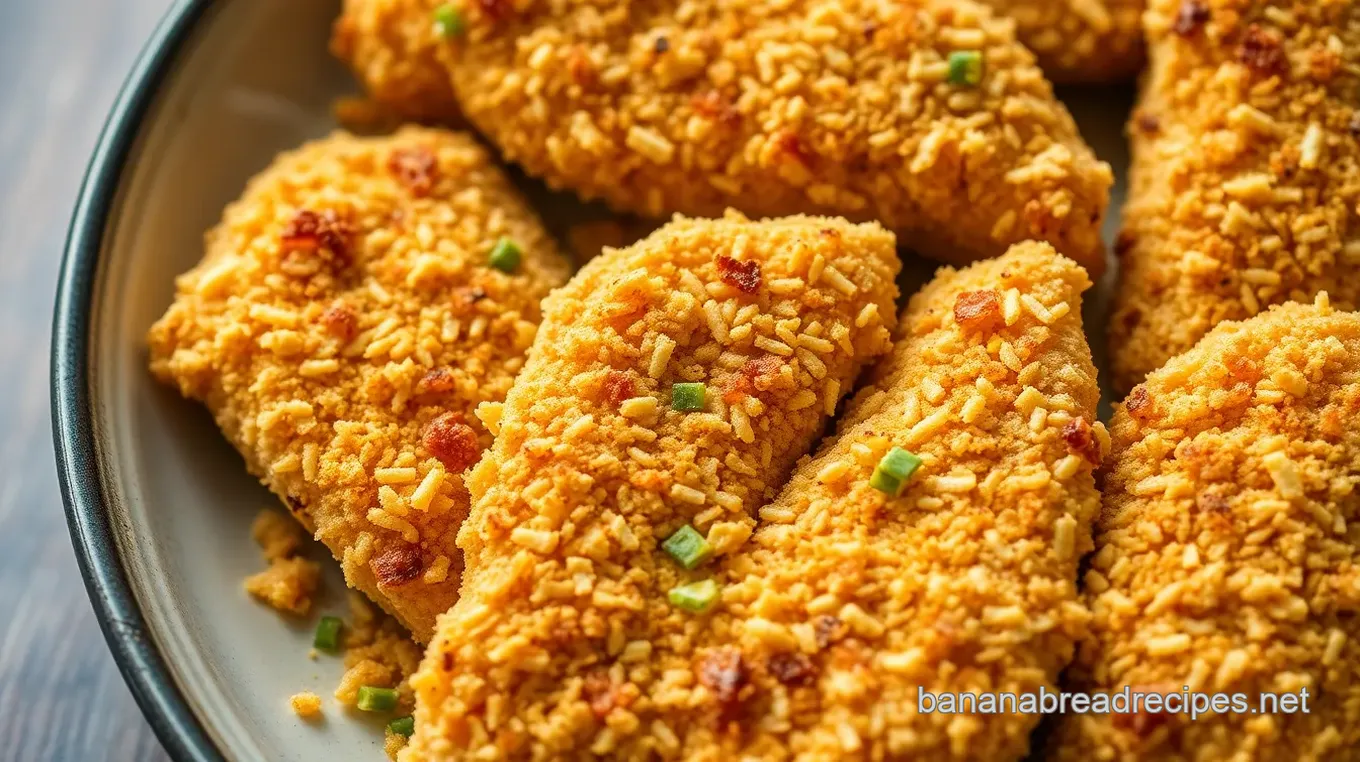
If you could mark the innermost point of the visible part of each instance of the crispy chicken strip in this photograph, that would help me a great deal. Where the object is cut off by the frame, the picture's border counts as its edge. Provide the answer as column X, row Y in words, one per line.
column 1226, row 554
column 551, row 652
column 1080, row 41
column 926, row 115
column 342, row 327
column 1246, row 172
column 849, row 598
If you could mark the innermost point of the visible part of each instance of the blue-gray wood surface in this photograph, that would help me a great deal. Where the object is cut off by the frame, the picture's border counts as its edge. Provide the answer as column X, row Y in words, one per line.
column 61, row 698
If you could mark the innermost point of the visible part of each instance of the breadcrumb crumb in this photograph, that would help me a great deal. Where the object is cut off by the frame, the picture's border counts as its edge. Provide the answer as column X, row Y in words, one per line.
column 306, row 705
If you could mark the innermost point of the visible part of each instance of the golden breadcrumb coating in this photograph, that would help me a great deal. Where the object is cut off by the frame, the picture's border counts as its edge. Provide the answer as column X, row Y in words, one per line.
column 342, row 327
column 1246, row 172
column 1080, row 40
column 564, row 637
column 847, row 600
column 290, row 581
column 394, row 54
column 830, row 106
column 1226, row 552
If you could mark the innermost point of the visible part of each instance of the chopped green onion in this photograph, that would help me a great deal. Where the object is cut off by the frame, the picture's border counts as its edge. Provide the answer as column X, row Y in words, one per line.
column 448, row 22
column 965, row 68
column 688, row 547
column 403, row 726
column 696, row 597
column 373, row 699
column 327, row 636
column 505, row 255
column 686, row 396
column 894, row 471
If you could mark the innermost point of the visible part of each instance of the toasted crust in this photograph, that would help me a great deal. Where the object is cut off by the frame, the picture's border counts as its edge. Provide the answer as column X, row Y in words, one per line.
column 1080, row 41
column 343, row 310
column 1225, row 561
column 1245, row 172
column 848, row 600
column 778, row 108
column 566, row 600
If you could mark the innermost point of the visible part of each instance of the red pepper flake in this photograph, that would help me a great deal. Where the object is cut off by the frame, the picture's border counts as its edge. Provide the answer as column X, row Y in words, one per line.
column 743, row 276
column 978, row 310
column 790, row 668
column 1192, row 16
column 581, row 67
column 452, row 441
column 448, row 661
column 396, row 565
column 828, row 629
column 310, row 231
column 712, row 105
column 1147, row 123
column 723, row 672
column 618, row 386
column 599, row 692
column 436, row 381
column 340, row 321
column 1261, row 51
column 1081, row 441
column 793, row 146
column 745, row 382
column 416, row 168
column 1138, row 404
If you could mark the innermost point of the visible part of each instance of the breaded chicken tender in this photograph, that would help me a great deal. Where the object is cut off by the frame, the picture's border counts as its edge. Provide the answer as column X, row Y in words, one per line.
column 1226, row 554
column 342, row 327
column 1080, row 41
column 605, row 457
column 925, row 115
column 395, row 55
column 850, row 597
column 1246, row 172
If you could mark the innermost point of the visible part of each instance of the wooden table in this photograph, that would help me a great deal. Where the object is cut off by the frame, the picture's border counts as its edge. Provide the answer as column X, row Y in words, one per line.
column 61, row 698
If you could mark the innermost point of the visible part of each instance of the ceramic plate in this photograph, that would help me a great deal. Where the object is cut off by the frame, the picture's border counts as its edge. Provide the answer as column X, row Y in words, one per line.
column 159, row 504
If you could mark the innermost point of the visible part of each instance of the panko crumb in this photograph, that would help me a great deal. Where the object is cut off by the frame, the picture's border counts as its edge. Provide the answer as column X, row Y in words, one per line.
column 1225, row 558
column 1245, row 174
column 306, row 705
column 857, row 108
column 291, row 581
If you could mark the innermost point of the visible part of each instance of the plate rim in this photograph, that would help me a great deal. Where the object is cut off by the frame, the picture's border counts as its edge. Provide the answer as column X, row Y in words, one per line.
column 89, row 521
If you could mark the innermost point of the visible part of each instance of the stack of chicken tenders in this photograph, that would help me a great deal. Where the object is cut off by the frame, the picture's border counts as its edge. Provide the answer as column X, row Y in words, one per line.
column 717, row 495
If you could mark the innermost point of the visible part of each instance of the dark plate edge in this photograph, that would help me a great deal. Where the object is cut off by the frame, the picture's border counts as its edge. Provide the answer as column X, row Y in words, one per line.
column 88, row 519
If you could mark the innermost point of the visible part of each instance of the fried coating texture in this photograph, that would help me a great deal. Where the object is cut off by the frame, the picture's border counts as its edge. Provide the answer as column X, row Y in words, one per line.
column 1245, row 178
column 1226, row 552
column 394, row 54
column 342, row 327
column 563, row 640
column 847, row 599
column 836, row 107
column 1080, row 41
